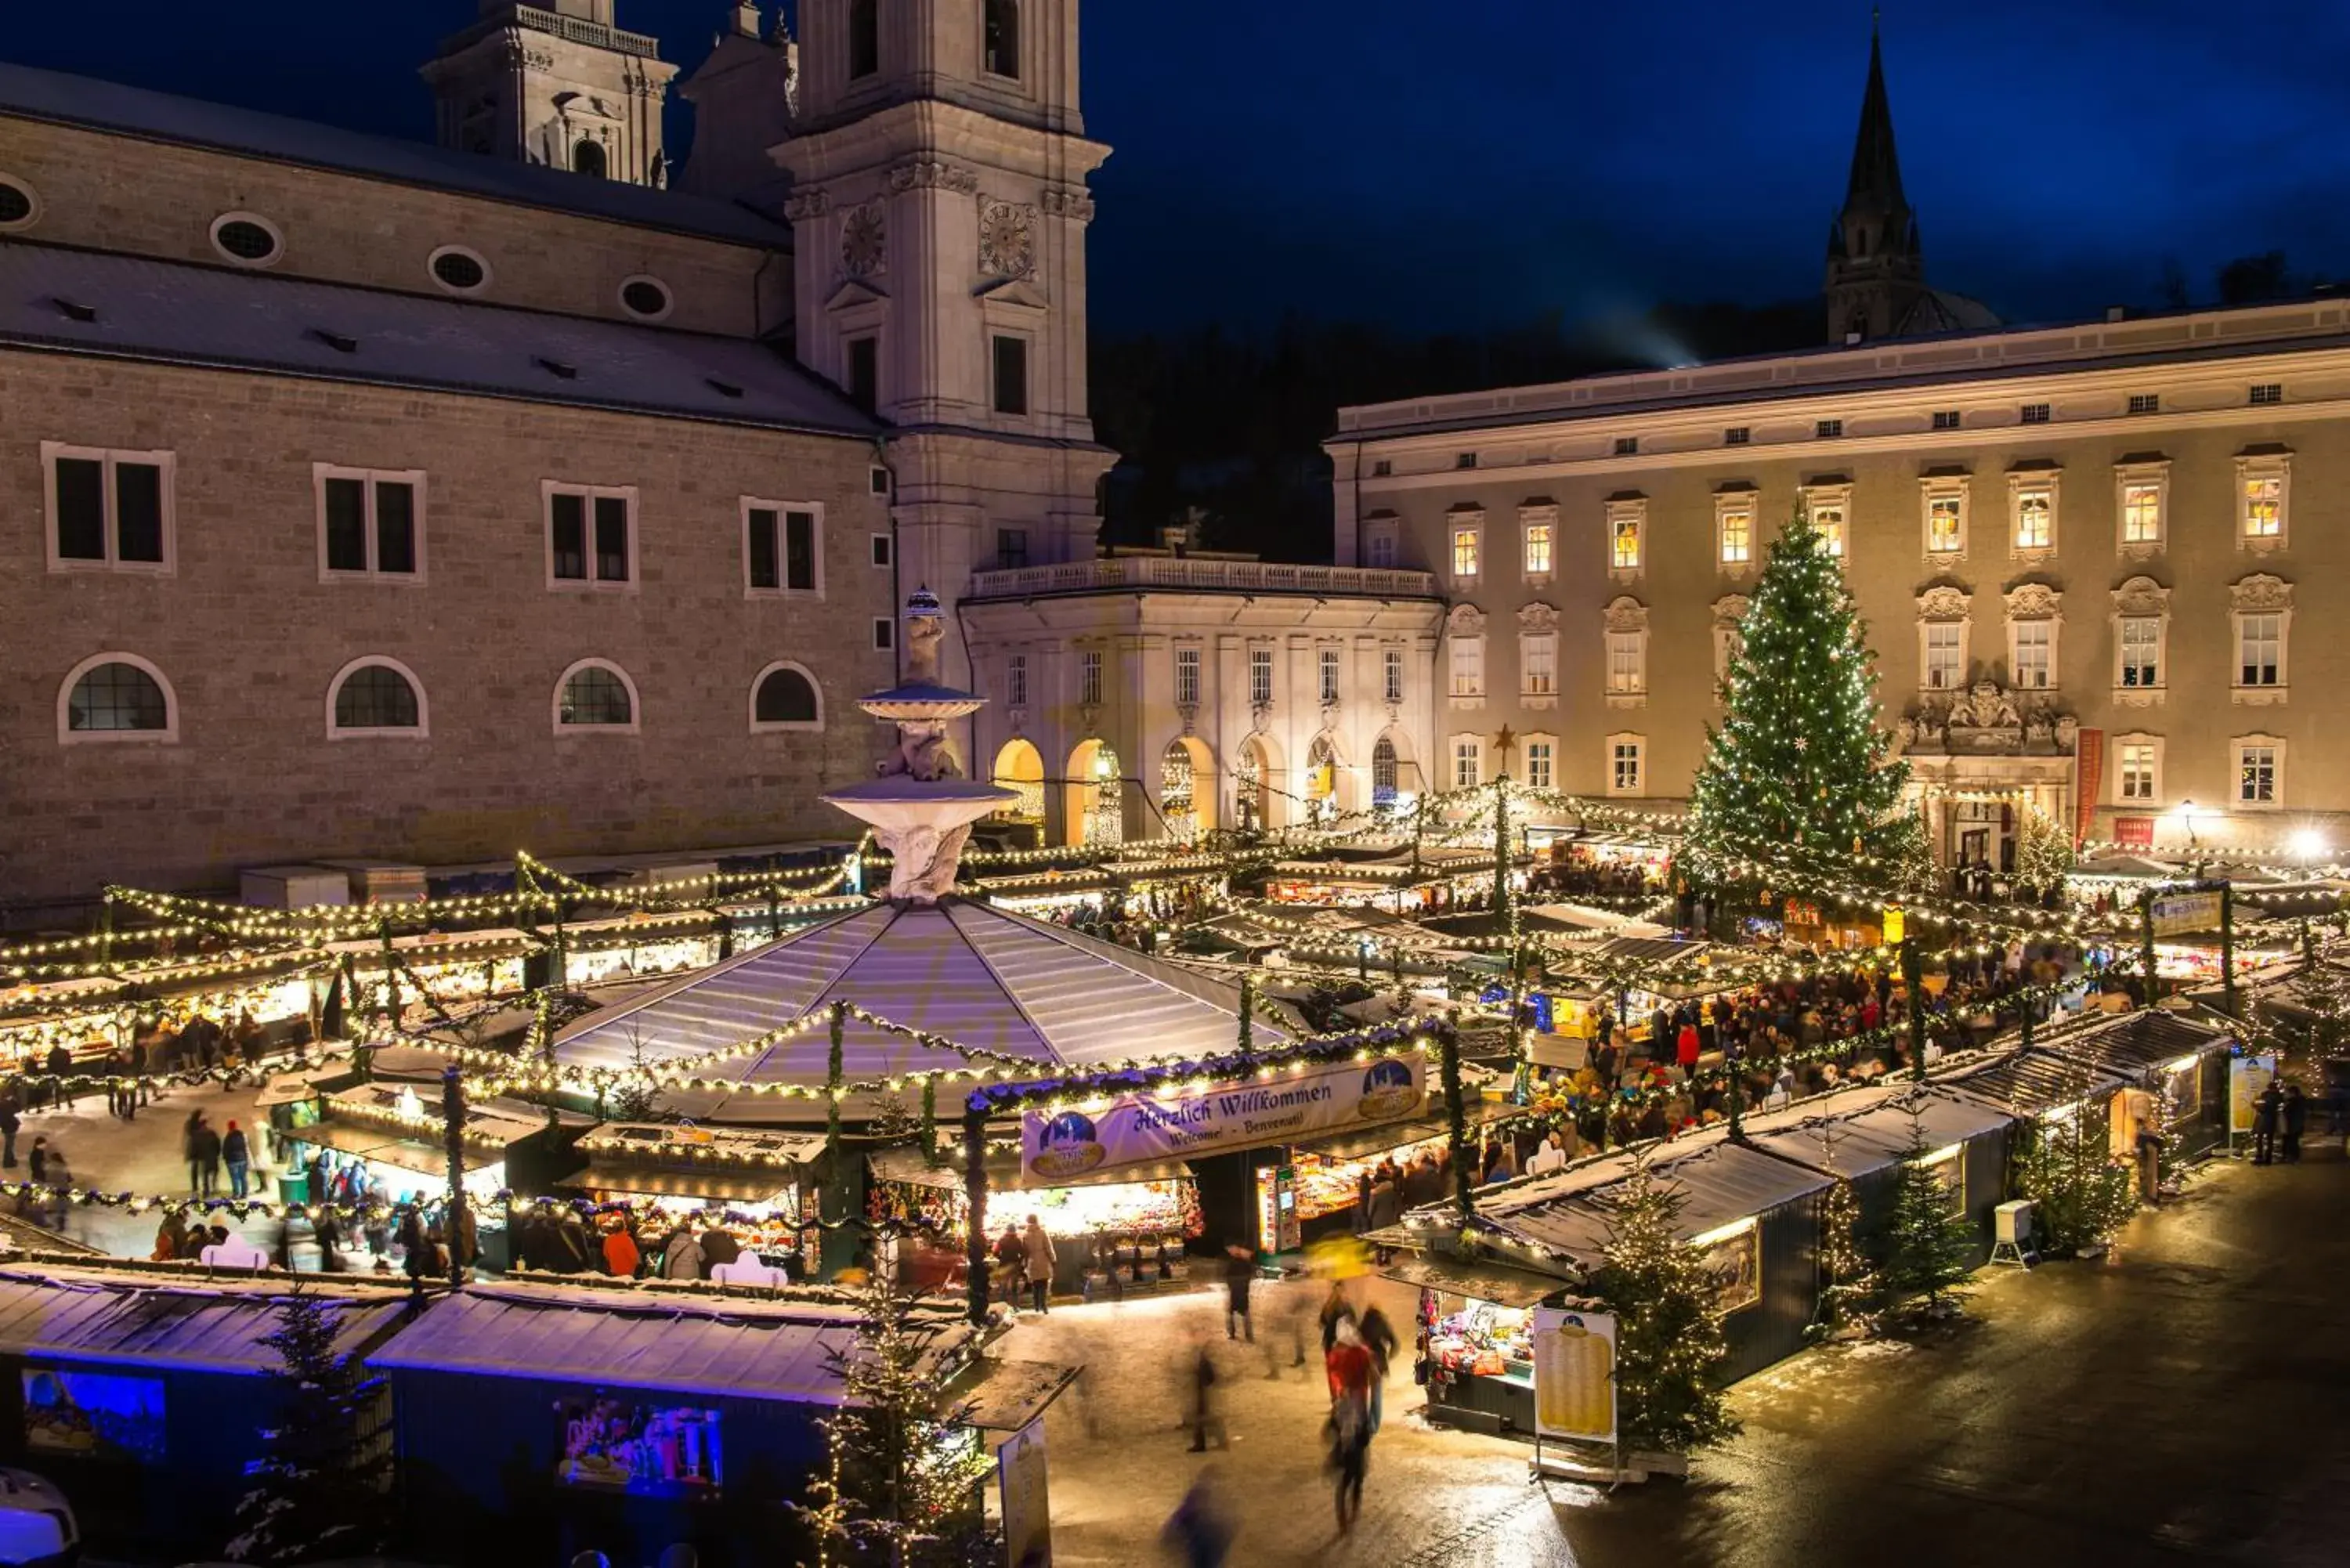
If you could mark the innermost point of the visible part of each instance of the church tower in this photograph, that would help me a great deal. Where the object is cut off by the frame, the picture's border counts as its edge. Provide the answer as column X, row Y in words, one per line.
column 938, row 204
column 555, row 83
column 1877, row 271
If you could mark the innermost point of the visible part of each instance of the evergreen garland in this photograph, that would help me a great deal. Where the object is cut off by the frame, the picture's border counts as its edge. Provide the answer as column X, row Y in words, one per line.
column 320, row 1487
column 1927, row 1247
column 1799, row 771
column 1668, row 1343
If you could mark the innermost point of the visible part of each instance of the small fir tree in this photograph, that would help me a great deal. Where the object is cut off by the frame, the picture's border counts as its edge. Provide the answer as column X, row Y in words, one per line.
column 319, row 1486
column 2044, row 853
column 1668, row 1343
column 2080, row 1195
column 1908, row 854
column 1849, row 1285
column 1927, row 1246
column 1799, row 774
column 900, row 1485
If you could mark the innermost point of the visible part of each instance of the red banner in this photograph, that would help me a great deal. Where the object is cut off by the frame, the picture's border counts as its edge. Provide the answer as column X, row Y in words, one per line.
column 2088, row 777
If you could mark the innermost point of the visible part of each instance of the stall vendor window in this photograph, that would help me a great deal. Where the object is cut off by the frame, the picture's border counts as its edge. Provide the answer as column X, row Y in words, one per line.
column 1732, row 1258
column 645, row 1450
column 93, row 1414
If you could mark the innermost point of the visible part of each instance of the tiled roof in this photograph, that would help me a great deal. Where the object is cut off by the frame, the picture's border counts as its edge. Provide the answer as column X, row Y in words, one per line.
column 59, row 97
column 136, row 308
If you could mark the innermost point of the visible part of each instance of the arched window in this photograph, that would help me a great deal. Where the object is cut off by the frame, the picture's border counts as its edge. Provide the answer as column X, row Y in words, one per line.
column 1001, row 44
column 1383, row 773
column 587, row 158
column 116, row 697
column 375, row 697
column 864, row 38
column 594, row 693
column 785, row 696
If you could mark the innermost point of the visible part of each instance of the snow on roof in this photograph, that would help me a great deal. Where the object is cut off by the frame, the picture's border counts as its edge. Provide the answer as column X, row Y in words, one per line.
column 141, row 309
column 1859, row 1138
column 1718, row 1182
column 2031, row 1082
column 59, row 97
column 2134, row 1042
column 120, row 1319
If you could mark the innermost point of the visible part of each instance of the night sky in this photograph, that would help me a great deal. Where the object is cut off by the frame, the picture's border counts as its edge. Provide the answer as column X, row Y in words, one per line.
column 1486, row 161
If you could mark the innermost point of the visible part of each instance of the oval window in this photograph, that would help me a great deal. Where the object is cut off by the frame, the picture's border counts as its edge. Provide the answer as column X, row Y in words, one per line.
column 459, row 270
column 646, row 297
column 16, row 204
column 245, row 239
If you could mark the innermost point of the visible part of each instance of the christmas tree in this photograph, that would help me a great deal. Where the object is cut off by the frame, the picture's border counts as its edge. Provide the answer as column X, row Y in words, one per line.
column 904, row 1466
column 319, row 1488
column 1927, row 1246
column 1798, row 774
column 1669, row 1344
column 1849, row 1286
column 2044, row 853
column 2079, row 1195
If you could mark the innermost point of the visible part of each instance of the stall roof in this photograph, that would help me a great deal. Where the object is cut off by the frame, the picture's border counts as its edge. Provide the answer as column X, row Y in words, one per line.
column 1011, row 1393
column 740, row 1348
column 90, row 1315
column 1479, row 1281
column 2028, row 1083
column 1719, row 1184
column 389, row 1145
column 645, row 1181
column 1354, row 1143
column 1861, row 1138
column 1004, row 1174
column 2135, row 1041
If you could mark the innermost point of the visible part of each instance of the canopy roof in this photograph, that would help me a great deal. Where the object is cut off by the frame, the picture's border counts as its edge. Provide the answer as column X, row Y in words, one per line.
column 2031, row 1082
column 2134, row 1042
column 1871, row 1130
column 91, row 1316
column 976, row 976
column 1719, row 1183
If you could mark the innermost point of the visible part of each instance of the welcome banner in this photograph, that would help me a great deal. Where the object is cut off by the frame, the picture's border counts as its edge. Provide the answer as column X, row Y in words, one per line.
column 1149, row 1129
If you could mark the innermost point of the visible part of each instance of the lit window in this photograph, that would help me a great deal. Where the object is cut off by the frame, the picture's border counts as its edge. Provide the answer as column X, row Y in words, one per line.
column 1089, row 678
column 1327, row 666
column 1468, row 666
column 1394, row 661
column 595, row 694
column 366, row 522
column 108, row 510
column 1538, row 653
column 1737, row 529
column 590, row 536
column 1628, row 662
column 1946, row 524
column 2264, row 506
column 2142, row 513
column 1829, row 521
column 1260, row 677
column 1624, row 542
column 1187, row 677
column 1016, row 680
column 2035, row 519
column 2260, row 648
column 1945, row 655
column 1465, row 543
column 1539, row 770
column 1538, row 550
column 2137, row 780
column 2256, row 774
column 2034, row 666
column 2141, row 651
column 1468, row 763
column 1624, row 767
column 783, row 548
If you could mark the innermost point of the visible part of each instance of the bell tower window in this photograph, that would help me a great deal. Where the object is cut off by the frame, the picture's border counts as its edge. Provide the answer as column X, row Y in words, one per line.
column 587, row 158
column 1000, row 47
column 864, row 38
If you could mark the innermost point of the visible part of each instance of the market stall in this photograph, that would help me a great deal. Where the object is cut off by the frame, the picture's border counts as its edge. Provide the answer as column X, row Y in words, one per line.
column 1865, row 1135
column 1471, row 1342
column 2035, row 1084
column 2181, row 1061
column 757, row 1185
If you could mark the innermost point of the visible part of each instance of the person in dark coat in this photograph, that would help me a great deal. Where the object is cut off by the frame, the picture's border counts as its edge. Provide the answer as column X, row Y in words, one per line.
column 2264, row 1124
column 718, row 1246
column 61, row 1068
column 2293, row 1113
column 1379, row 1339
column 9, row 1122
column 1240, row 1273
column 204, row 1157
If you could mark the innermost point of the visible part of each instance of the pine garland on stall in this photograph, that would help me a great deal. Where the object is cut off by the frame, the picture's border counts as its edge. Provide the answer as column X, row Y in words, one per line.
column 1849, row 1285
column 1927, row 1246
column 321, row 1486
column 2080, row 1195
column 1669, row 1342
column 902, row 1485
column 1799, row 771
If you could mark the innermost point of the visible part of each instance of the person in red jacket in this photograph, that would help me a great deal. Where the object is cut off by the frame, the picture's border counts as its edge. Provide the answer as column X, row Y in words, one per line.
column 1685, row 1047
column 621, row 1254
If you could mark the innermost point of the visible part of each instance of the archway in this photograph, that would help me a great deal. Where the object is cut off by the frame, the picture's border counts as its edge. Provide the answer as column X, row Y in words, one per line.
column 1095, row 802
column 1325, row 784
column 1019, row 765
column 1187, row 796
column 1254, row 804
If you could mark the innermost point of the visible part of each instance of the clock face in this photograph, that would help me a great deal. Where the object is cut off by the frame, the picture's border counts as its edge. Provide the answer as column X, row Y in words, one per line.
column 1007, row 242
column 861, row 242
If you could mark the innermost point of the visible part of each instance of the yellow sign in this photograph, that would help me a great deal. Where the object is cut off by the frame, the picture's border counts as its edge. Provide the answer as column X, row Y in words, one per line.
column 1896, row 925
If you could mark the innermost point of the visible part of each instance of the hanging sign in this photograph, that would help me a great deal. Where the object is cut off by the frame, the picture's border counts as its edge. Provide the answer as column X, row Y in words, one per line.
column 1575, row 1375
column 2176, row 914
column 1020, row 1485
column 1249, row 1113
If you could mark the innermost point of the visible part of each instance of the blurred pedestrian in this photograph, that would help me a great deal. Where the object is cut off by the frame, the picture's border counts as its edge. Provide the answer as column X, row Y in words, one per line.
column 1204, row 1399
column 1335, row 1309
column 1240, row 1273
column 2294, row 1114
column 1200, row 1529
column 2264, row 1124
column 1379, row 1339
column 1039, row 1248
column 1012, row 1258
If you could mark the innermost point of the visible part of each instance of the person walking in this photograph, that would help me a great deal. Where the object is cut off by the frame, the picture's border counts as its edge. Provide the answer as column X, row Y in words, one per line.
column 1379, row 1339
column 1204, row 1399
column 2264, row 1124
column 201, row 1148
column 2294, row 1115
column 36, row 1161
column 1348, row 1427
column 9, row 1122
column 1012, row 1258
column 1039, row 1246
column 1240, row 1273
column 236, row 1153
column 1336, row 1310
column 1200, row 1530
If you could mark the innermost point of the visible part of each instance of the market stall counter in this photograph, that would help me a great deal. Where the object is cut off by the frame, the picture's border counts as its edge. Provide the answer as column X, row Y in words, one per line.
column 1472, row 1347
column 756, row 1185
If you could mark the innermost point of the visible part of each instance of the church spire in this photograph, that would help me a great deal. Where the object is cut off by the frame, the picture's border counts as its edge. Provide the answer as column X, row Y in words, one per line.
column 1876, row 183
column 1875, row 268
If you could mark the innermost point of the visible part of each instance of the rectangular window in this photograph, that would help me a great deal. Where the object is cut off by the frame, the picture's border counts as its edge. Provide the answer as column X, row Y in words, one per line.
column 1946, row 418
column 1260, row 677
column 1187, row 677
column 1328, row 667
column 1538, row 550
column 1945, row 524
column 1829, row 521
column 1624, row 767
column 1627, row 446
column 864, row 38
column 1736, row 435
column 2036, row 649
column 1828, row 429
column 2142, row 513
column 1394, row 661
column 1380, row 544
column 1464, row 460
column 2267, row 392
column 2260, row 648
column 590, row 535
column 1737, row 536
column 1626, row 662
column 2136, row 780
column 1089, row 678
column 1382, row 468
column 2145, row 402
column 1624, row 543
column 885, row 634
column 783, row 549
column 2035, row 519
column 611, row 539
column 1016, row 680
column 1468, row 666
column 367, row 523
column 2141, row 643
column 864, row 387
column 1465, row 551
column 2036, row 413
column 999, row 38
column 2263, row 505
column 566, row 512
column 1539, row 653
column 1468, row 763
column 878, row 480
column 1540, row 773
column 1943, row 665
column 1010, row 375
column 2256, row 775
column 1011, row 549
column 884, row 549
column 108, row 508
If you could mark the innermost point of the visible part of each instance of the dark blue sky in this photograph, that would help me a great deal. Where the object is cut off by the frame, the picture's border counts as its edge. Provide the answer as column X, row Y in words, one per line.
column 1481, row 162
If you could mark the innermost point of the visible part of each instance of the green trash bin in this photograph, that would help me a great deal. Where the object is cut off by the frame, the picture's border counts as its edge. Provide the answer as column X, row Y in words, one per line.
column 293, row 1186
